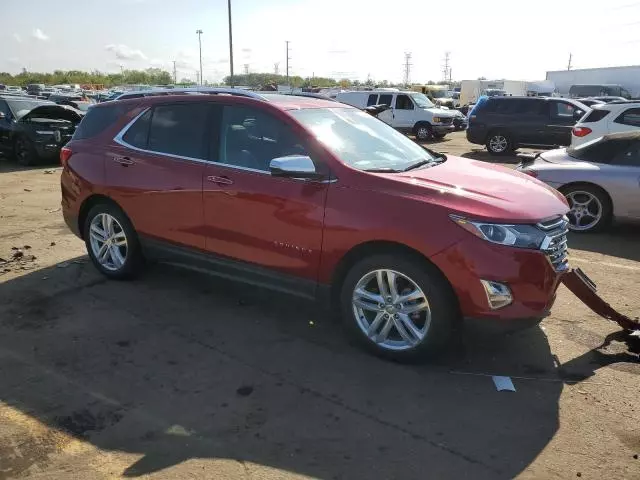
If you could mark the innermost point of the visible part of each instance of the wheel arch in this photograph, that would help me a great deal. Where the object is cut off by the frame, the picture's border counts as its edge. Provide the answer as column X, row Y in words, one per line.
column 90, row 202
column 583, row 183
column 375, row 247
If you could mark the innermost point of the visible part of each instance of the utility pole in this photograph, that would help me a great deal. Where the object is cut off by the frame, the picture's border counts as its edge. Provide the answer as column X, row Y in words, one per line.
column 276, row 68
column 288, row 58
column 199, row 32
column 230, row 46
column 569, row 64
column 122, row 72
column 175, row 74
column 407, row 67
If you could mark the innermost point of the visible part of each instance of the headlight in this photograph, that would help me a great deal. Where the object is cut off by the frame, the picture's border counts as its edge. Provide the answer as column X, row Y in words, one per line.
column 437, row 120
column 522, row 236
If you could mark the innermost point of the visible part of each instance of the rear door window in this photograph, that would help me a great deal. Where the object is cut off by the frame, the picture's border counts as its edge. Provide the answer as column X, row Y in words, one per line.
column 385, row 99
column 630, row 117
column 530, row 107
column 563, row 110
column 138, row 134
column 179, row 129
column 98, row 119
column 373, row 99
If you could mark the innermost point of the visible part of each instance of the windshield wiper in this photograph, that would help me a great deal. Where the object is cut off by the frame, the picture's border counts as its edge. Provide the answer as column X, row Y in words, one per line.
column 382, row 170
column 439, row 158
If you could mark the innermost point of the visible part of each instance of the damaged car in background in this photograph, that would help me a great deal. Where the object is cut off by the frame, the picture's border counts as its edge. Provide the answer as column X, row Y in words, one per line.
column 33, row 131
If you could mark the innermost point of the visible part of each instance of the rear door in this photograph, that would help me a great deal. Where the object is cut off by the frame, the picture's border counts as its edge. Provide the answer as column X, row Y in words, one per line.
column 530, row 117
column 626, row 168
column 5, row 126
column 562, row 117
column 155, row 172
column 388, row 115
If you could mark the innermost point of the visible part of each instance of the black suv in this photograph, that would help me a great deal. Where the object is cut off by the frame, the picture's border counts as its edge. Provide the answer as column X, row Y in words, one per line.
column 506, row 123
column 34, row 130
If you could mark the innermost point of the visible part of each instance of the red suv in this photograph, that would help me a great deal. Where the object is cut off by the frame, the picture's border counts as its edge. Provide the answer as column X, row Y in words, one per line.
column 318, row 199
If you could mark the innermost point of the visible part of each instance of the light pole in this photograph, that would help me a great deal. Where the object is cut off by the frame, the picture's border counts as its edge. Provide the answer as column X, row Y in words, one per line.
column 230, row 46
column 199, row 32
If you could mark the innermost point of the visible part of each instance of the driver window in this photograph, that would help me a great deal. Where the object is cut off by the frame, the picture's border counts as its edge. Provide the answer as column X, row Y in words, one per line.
column 403, row 102
column 250, row 138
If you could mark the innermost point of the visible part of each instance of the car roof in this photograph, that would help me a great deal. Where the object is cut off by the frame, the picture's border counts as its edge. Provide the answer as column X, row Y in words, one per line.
column 633, row 135
column 282, row 102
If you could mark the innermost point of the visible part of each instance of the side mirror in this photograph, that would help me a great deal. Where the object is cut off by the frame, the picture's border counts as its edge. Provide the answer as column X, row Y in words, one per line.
column 293, row 166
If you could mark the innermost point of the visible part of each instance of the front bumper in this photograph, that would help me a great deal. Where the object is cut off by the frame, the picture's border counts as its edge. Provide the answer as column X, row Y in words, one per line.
column 47, row 150
column 443, row 128
column 529, row 274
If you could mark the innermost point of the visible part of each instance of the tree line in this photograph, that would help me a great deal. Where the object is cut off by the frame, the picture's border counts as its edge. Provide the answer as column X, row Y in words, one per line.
column 150, row 76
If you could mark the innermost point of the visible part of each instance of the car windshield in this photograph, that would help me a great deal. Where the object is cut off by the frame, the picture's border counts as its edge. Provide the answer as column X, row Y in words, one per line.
column 439, row 94
column 362, row 141
column 24, row 106
column 421, row 100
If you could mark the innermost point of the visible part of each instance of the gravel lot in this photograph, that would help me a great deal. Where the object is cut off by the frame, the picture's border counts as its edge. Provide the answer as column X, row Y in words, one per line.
column 179, row 375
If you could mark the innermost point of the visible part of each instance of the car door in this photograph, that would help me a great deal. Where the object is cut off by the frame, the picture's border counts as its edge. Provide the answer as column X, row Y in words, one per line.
column 272, row 226
column 562, row 117
column 5, row 126
column 155, row 170
column 388, row 115
column 625, row 168
column 404, row 112
column 528, row 120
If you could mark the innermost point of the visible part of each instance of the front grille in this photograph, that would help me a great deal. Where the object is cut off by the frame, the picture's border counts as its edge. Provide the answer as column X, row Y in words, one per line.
column 555, row 245
column 446, row 121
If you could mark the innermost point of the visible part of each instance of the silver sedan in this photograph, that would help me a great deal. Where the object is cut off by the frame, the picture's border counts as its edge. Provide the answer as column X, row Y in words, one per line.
column 600, row 179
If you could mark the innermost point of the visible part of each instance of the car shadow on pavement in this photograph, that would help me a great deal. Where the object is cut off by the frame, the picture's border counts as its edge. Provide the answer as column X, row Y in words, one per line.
column 485, row 156
column 177, row 366
column 10, row 165
column 620, row 240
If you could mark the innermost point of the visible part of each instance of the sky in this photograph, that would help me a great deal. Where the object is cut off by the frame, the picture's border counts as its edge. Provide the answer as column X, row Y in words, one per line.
column 351, row 39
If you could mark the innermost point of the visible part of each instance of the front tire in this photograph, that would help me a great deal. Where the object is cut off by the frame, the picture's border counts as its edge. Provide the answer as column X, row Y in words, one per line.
column 398, row 308
column 591, row 209
column 499, row 143
column 423, row 132
column 112, row 242
column 25, row 152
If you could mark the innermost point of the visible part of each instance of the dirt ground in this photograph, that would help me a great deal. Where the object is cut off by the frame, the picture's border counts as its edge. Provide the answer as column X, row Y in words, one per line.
column 178, row 375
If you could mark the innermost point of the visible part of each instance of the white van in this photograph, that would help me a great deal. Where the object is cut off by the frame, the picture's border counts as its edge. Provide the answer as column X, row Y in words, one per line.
column 410, row 112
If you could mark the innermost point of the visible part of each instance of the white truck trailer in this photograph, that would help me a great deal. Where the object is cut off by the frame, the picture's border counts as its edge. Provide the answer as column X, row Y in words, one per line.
column 626, row 77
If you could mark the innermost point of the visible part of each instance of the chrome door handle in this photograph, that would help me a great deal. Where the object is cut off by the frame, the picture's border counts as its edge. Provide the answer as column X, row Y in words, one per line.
column 124, row 161
column 219, row 180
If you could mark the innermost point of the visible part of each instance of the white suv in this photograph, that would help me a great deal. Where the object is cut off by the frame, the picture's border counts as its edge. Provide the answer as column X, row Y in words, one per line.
column 607, row 118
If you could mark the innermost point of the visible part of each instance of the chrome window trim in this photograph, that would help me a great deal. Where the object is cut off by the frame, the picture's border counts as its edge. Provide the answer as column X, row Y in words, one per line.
column 119, row 140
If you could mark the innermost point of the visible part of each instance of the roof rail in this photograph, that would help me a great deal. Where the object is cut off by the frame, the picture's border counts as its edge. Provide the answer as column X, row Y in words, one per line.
column 192, row 90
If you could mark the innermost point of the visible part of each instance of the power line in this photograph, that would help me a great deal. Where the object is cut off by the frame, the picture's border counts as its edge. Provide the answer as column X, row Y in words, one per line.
column 407, row 67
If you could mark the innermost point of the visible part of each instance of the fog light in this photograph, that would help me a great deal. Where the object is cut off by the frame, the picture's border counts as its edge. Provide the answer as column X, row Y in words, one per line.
column 498, row 295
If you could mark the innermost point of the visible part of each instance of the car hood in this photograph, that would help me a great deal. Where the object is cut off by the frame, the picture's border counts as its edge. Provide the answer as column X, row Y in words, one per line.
column 54, row 112
column 441, row 112
column 479, row 190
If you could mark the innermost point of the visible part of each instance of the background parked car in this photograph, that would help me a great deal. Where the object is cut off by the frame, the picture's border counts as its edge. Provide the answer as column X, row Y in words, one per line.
column 607, row 118
column 35, row 88
column 599, row 179
column 506, row 123
column 34, row 130
column 590, row 102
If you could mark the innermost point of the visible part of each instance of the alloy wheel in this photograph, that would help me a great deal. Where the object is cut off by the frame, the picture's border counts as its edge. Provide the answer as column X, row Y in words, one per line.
column 586, row 210
column 498, row 143
column 391, row 309
column 422, row 133
column 108, row 242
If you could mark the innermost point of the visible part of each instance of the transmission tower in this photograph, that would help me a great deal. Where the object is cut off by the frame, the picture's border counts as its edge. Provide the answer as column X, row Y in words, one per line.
column 276, row 68
column 407, row 67
column 246, row 69
column 446, row 67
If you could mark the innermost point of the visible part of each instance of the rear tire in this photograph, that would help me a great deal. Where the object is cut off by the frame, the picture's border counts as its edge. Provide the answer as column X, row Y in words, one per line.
column 112, row 242
column 25, row 152
column 421, row 303
column 499, row 143
column 591, row 208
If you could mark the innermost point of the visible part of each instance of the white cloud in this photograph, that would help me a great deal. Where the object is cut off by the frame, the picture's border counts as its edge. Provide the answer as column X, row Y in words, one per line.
column 17, row 38
column 124, row 52
column 39, row 35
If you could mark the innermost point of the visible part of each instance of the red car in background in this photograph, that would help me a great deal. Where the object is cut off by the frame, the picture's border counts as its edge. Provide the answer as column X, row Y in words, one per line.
column 321, row 200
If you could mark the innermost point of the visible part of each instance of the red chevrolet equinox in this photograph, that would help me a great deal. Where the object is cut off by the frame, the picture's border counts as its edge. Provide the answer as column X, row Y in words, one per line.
column 318, row 199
